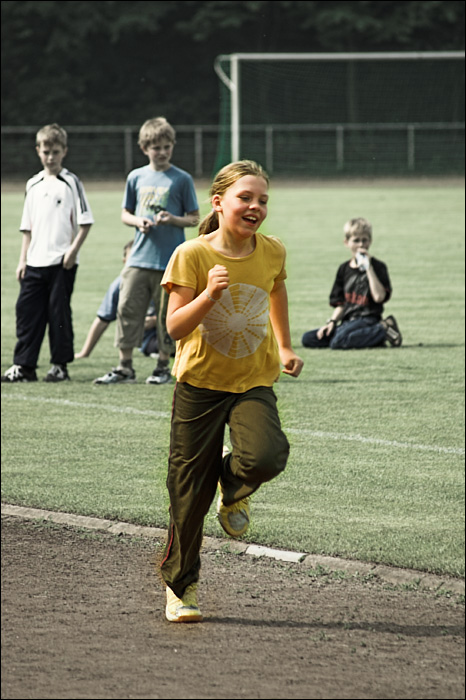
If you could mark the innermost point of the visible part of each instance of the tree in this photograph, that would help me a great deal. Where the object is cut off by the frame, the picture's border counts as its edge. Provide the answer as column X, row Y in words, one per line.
column 119, row 63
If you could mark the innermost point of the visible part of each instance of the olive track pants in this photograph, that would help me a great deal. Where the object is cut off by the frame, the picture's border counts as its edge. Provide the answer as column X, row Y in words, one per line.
column 260, row 451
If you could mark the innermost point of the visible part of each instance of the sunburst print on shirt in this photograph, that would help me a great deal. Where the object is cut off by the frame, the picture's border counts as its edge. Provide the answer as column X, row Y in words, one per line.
column 237, row 324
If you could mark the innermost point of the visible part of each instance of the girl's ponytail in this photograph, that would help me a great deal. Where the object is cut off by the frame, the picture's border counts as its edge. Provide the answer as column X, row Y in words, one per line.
column 209, row 223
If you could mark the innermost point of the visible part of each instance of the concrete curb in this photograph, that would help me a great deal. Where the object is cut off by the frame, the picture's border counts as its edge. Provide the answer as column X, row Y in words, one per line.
column 387, row 574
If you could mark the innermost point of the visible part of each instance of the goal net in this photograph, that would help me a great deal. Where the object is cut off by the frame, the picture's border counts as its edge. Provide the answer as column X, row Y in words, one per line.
column 344, row 114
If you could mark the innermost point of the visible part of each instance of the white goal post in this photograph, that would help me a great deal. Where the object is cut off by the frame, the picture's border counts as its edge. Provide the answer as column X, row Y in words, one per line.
column 235, row 61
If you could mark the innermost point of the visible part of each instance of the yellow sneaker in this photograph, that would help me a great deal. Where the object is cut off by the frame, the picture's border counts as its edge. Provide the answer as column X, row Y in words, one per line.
column 183, row 609
column 235, row 518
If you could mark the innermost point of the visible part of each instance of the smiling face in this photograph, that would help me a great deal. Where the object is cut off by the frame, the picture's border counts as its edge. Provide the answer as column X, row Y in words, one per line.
column 243, row 207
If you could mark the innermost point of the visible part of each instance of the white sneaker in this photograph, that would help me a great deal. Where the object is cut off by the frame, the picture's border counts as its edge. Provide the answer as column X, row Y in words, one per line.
column 118, row 375
column 57, row 373
column 160, row 375
column 16, row 373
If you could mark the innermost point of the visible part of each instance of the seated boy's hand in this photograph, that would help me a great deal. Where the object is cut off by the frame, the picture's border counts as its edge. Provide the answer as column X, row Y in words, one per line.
column 363, row 259
column 325, row 330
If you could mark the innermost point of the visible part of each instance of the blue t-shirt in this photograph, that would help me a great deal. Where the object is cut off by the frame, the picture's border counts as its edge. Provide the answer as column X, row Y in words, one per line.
column 147, row 192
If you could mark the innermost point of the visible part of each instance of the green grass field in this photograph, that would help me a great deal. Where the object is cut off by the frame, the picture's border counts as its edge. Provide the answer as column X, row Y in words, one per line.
column 376, row 467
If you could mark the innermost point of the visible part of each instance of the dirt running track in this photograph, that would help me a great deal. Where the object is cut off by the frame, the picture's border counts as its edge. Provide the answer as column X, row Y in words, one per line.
column 83, row 617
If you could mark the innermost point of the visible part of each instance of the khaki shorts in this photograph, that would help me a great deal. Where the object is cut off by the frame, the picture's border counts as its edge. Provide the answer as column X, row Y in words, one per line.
column 138, row 287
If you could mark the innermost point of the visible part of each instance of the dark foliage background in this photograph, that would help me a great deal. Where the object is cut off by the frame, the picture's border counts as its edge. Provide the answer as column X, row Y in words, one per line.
column 84, row 63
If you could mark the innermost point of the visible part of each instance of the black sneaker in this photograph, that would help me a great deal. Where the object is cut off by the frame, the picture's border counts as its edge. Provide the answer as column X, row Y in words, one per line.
column 57, row 373
column 16, row 373
column 392, row 331
column 160, row 375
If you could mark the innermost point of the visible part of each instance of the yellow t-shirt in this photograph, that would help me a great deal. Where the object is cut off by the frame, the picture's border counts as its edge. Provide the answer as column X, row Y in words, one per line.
column 234, row 348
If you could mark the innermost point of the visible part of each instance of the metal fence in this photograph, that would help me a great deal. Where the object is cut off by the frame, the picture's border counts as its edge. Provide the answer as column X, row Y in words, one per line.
column 358, row 149
column 110, row 152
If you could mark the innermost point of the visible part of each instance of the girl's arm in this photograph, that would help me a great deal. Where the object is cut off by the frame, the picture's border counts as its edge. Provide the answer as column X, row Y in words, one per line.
column 185, row 312
column 281, row 327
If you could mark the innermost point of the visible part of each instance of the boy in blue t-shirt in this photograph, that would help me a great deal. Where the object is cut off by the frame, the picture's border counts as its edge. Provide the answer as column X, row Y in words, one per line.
column 159, row 201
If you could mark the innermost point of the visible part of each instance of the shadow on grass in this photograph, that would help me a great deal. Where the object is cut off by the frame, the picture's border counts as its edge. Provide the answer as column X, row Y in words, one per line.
column 433, row 345
column 376, row 627
column 405, row 346
column 376, row 380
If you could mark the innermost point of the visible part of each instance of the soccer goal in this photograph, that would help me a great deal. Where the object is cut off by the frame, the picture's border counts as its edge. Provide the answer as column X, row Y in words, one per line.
column 344, row 113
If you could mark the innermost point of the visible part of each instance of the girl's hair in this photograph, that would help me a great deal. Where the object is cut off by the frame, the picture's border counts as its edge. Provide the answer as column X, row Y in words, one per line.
column 357, row 227
column 52, row 134
column 225, row 178
column 155, row 129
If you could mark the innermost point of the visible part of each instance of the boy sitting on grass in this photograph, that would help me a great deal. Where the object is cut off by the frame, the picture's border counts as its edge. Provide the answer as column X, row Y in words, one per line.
column 361, row 287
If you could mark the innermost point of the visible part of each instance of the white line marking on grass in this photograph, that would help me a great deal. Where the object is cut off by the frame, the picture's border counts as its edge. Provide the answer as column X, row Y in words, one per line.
column 298, row 431
column 377, row 441
column 102, row 406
